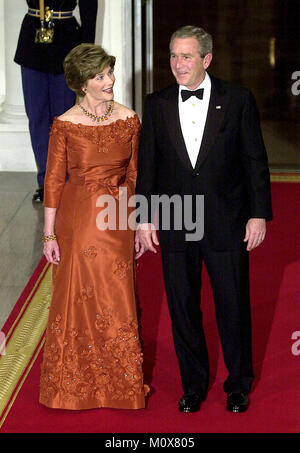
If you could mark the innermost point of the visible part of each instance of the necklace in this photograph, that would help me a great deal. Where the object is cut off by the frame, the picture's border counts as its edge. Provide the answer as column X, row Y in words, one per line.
column 97, row 118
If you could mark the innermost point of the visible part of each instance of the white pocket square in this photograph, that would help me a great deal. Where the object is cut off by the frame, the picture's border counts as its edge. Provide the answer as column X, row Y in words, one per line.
column 218, row 107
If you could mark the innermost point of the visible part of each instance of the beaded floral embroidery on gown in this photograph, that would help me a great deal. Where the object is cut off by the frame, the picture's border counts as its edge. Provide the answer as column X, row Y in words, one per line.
column 92, row 355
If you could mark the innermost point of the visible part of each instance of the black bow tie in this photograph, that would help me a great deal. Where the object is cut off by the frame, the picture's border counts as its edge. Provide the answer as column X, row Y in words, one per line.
column 186, row 94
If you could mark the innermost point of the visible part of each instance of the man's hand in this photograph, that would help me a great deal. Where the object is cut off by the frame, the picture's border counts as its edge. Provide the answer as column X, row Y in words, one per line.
column 255, row 233
column 145, row 238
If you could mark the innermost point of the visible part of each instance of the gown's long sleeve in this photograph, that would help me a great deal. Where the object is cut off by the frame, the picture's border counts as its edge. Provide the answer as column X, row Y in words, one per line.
column 56, row 167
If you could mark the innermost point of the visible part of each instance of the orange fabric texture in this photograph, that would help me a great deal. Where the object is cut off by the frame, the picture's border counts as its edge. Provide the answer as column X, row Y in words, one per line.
column 92, row 356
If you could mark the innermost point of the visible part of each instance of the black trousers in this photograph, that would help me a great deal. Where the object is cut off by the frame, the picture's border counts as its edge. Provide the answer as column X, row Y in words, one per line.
column 229, row 276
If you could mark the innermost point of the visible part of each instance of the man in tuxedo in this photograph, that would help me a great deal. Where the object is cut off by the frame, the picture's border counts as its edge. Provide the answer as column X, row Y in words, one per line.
column 202, row 135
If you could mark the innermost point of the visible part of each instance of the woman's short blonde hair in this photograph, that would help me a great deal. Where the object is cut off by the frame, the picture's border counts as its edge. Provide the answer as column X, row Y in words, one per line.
column 84, row 62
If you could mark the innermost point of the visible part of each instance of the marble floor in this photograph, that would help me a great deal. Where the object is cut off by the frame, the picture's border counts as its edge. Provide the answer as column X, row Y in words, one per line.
column 21, row 226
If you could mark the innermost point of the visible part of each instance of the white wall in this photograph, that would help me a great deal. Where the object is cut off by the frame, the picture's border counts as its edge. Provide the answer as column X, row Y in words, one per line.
column 2, row 47
column 114, row 30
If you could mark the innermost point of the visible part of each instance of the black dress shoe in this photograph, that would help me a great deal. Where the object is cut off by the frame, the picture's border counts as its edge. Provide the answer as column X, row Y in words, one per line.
column 38, row 196
column 190, row 402
column 237, row 402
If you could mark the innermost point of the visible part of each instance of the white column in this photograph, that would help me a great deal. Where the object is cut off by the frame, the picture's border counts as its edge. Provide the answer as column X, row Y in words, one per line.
column 2, row 57
column 15, row 147
column 114, row 31
column 13, row 108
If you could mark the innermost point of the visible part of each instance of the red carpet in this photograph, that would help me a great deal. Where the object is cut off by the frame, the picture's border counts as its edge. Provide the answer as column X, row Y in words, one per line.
column 275, row 399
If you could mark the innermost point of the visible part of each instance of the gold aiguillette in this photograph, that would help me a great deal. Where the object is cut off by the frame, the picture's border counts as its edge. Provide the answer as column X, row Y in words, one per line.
column 44, row 35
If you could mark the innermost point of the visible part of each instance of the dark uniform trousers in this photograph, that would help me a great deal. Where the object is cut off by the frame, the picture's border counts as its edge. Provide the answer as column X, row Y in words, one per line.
column 45, row 96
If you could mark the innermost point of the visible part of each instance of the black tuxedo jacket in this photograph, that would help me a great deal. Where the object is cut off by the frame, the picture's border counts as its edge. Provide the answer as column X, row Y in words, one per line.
column 231, row 170
column 67, row 34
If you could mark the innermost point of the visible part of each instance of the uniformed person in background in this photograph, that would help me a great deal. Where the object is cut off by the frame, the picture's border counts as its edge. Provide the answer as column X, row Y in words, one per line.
column 41, row 57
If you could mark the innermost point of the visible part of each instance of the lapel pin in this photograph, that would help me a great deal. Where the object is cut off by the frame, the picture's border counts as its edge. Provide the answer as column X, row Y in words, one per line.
column 218, row 107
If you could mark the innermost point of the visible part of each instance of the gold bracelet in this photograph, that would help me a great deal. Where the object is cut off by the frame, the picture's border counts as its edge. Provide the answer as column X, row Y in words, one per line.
column 51, row 237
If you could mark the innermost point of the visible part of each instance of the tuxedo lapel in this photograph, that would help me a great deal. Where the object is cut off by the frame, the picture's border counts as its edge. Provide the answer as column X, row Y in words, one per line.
column 215, row 116
column 172, row 121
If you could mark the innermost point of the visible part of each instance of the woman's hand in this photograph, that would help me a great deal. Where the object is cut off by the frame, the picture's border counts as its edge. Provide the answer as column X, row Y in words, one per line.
column 51, row 252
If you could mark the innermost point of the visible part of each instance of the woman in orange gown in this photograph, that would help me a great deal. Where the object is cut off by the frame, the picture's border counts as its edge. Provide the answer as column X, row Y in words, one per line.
column 92, row 356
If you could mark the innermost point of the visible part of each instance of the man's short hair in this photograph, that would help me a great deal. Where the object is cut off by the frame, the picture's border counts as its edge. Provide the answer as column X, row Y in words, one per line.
column 190, row 31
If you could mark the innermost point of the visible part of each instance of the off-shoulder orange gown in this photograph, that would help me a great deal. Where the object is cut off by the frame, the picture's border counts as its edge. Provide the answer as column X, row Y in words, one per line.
column 92, row 355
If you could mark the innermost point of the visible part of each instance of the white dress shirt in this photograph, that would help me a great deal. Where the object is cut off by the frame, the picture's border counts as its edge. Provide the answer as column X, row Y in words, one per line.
column 192, row 114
